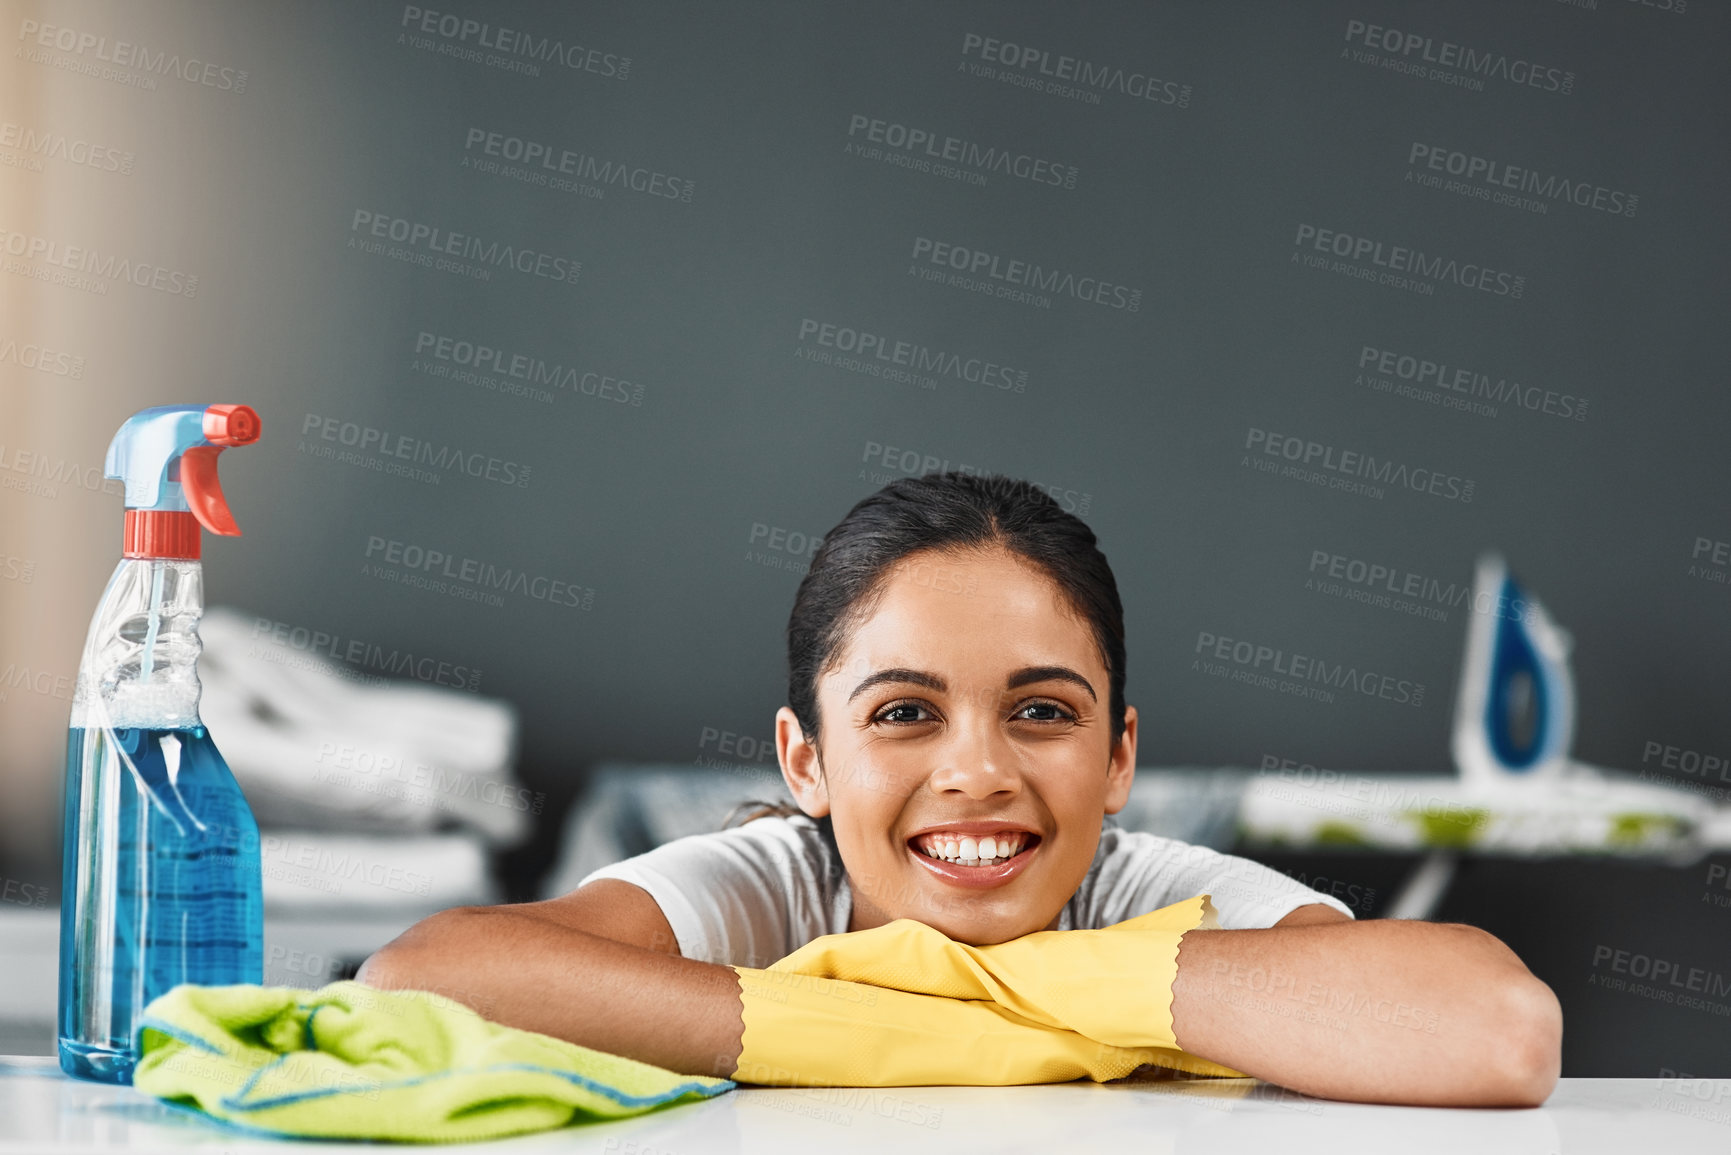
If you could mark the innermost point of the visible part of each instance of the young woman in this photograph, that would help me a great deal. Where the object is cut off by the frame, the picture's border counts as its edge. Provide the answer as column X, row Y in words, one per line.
column 956, row 738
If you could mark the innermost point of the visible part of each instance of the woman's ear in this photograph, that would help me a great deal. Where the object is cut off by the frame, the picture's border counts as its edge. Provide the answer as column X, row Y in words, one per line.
column 801, row 767
column 1121, row 769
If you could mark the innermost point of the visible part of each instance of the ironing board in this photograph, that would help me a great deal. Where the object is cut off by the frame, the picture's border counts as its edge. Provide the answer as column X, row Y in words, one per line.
column 1588, row 810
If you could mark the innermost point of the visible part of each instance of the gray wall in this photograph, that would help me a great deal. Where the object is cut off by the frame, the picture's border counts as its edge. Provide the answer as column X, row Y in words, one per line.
column 1194, row 183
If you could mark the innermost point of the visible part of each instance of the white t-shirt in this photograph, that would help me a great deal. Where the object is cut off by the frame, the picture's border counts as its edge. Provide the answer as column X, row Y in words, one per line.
column 757, row 892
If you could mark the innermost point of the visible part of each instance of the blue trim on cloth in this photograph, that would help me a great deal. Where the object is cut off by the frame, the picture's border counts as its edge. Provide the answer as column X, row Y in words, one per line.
column 166, row 1028
column 235, row 1102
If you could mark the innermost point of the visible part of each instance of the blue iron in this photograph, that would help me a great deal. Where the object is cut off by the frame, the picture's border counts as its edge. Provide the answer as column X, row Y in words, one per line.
column 1515, row 709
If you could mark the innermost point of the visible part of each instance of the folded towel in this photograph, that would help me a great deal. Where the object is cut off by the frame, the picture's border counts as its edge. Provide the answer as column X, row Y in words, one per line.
column 313, row 870
column 318, row 743
column 349, row 1061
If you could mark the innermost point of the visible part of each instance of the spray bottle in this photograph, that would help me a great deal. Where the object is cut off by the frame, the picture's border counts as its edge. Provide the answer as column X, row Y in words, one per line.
column 160, row 880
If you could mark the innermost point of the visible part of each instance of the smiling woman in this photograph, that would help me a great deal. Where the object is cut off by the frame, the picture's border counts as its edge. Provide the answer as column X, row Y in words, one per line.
column 956, row 740
column 956, row 668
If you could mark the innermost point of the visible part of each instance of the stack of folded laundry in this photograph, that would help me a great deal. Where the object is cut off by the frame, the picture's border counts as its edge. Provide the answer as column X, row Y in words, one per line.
column 369, row 792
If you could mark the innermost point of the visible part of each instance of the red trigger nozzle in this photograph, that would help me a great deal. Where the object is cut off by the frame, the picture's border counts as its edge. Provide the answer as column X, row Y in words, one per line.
column 230, row 425
column 225, row 426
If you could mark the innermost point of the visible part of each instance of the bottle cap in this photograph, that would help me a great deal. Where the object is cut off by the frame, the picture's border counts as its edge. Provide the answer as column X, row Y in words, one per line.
column 167, row 457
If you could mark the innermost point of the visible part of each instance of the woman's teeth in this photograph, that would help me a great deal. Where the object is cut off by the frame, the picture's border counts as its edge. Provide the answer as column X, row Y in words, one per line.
column 988, row 851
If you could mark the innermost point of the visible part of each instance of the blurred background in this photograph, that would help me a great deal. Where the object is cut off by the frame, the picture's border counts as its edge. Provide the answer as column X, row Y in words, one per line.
column 573, row 329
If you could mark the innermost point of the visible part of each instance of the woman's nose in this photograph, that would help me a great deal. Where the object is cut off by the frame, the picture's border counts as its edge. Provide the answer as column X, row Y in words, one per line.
column 977, row 758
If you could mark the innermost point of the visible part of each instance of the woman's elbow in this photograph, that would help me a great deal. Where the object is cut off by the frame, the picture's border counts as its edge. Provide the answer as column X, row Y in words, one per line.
column 378, row 971
column 1530, row 1043
column 410, row 961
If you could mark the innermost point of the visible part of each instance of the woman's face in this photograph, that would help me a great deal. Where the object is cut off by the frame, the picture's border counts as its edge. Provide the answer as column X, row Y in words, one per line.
column 972, row 694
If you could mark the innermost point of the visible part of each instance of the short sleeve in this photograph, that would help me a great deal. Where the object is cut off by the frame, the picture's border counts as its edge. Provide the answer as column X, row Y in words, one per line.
column 746, row 896
column 1136, row 872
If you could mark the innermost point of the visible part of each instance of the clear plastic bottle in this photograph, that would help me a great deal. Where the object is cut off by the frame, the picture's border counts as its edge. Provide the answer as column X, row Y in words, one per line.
column 161, row 881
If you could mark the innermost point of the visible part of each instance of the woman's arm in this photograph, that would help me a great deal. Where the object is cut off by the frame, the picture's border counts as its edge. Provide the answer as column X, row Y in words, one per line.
column 1388, row 1011
column 598, row 967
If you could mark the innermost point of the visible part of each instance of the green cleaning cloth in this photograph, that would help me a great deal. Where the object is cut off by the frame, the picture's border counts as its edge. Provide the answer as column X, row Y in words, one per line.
column 348, row 1061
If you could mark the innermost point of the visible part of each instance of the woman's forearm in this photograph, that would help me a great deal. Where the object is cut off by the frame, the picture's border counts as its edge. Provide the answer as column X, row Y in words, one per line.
column 1386, row 1011
column 524, row 971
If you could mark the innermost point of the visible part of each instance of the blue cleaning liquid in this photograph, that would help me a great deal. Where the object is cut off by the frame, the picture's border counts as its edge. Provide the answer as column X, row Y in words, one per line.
column 161, row 885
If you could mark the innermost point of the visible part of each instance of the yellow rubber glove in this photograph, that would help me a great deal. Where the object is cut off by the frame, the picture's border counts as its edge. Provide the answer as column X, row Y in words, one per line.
column 805, row 1030
column 1112, row 985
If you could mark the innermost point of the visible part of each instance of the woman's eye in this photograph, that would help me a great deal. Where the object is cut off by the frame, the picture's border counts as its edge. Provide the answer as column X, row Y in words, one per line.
column 1057, row 712
column 902, row 712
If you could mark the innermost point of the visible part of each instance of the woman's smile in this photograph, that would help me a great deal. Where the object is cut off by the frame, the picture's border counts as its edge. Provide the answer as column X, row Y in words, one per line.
column 972, row 871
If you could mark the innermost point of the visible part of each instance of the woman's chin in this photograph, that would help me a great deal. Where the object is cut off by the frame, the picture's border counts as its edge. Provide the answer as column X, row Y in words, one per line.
column 986, row 931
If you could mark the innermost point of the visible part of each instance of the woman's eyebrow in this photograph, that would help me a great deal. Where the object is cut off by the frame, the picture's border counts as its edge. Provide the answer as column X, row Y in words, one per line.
column 1028, row 674
column 900, row 674
column 1022, row 677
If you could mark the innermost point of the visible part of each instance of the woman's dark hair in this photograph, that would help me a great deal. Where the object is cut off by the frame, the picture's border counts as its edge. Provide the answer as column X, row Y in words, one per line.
column 948, row 512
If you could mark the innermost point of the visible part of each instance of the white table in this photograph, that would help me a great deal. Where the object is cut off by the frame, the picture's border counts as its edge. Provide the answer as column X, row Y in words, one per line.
column 42, row 1111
